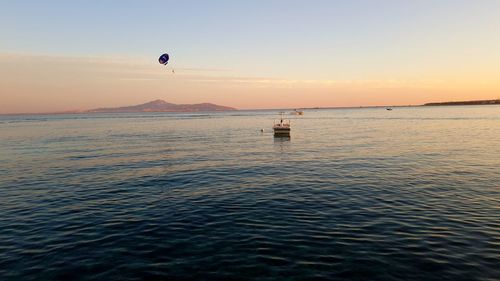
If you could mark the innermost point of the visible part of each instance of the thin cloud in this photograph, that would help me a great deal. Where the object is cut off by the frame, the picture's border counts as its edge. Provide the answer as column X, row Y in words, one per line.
column 135, row 64
column 141, row 69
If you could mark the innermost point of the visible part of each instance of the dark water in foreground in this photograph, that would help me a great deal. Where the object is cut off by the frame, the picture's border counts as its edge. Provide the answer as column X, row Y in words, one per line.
column 362, row 194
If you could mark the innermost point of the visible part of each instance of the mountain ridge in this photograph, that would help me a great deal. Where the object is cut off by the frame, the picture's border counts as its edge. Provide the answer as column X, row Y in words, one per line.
column 162, row 106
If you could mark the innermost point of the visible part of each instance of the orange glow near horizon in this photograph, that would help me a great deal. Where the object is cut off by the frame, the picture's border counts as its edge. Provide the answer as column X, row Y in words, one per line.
column 42, row 83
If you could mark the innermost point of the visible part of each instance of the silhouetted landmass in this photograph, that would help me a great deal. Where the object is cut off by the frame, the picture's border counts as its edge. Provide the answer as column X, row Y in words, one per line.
column 163, row 106
column 474, row 102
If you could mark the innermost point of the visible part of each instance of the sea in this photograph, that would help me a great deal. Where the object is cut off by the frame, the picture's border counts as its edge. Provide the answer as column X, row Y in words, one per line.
column 353, row 194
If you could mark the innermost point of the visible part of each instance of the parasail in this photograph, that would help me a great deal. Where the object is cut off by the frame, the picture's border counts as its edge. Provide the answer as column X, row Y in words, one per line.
column 163, row 59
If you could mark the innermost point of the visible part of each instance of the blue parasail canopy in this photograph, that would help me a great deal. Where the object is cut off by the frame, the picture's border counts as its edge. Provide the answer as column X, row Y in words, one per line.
column 163, row 59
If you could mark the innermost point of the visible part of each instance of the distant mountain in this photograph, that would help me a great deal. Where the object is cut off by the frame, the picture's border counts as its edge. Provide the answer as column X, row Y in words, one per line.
column 473, row 102
column 163, row 106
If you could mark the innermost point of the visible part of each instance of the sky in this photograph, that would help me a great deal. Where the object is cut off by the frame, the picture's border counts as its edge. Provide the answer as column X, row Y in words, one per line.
column 75, row 55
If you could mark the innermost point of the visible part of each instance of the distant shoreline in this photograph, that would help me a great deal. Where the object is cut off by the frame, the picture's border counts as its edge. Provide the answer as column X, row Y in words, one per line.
column 449, row 103
column 474, row 102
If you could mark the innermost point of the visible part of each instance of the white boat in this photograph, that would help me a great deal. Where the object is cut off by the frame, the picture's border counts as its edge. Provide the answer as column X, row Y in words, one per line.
column 282, row 128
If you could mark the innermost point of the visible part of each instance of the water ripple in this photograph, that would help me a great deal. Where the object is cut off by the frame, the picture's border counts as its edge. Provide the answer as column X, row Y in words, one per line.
column 181, row 197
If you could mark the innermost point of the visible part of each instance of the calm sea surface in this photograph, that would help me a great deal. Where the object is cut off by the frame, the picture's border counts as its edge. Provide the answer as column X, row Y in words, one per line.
column 354, row 194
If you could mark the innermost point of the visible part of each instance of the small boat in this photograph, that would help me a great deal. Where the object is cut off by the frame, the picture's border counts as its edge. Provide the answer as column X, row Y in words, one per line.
column 297, row 112
column 282, row 129
column 388, row 108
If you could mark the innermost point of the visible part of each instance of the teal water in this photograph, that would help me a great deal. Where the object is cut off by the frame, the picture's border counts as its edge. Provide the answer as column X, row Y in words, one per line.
column 354, row 194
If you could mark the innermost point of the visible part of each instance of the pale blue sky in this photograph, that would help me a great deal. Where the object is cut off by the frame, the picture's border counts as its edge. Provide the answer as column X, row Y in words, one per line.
column 307, row 39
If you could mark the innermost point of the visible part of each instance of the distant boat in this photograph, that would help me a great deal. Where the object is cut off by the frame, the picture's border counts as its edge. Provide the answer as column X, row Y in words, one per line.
column 282, row 129
column 297, row 112
column 388, row 108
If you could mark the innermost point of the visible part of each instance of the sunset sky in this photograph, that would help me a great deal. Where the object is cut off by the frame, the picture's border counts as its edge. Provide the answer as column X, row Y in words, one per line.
column 69, row 55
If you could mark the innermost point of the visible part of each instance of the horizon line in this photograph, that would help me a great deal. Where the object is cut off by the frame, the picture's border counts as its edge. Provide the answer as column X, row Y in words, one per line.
column 88, row 111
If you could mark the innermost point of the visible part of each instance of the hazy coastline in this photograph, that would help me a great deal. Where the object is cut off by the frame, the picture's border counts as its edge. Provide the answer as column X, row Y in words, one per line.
column 162, row 106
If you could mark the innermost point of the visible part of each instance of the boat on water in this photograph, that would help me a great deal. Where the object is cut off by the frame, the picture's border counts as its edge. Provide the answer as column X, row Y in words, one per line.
column 282, row 128
column 297, row 112
column 388, row 109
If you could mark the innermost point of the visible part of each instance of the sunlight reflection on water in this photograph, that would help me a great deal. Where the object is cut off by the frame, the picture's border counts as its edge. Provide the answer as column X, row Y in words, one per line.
column 353, row 194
